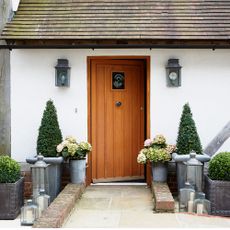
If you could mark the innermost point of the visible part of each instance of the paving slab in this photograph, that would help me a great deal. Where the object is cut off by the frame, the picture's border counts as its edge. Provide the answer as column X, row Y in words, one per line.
column 201, row 221
column 131, row 219
column 13, row 224
column 123, row 206
column 95, row 219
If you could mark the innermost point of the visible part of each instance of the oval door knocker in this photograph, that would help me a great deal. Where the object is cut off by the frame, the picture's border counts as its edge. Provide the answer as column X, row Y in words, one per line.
column 118, row 103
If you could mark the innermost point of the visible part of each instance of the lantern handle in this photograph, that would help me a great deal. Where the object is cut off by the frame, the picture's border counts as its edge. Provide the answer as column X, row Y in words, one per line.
column 192, row 154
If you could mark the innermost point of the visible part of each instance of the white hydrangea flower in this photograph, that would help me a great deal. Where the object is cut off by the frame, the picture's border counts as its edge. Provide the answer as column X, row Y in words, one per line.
column 141, row 158
column 65, row 143
column 70, row 139
column 85, row 146
column 60, row 148
column 72, row 148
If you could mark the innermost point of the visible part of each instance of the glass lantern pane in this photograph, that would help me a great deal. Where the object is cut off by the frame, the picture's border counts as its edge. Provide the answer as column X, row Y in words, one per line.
column 202, row 206
column 194, row 176
column 62, row 77
column 39, row 180
column 186, row 195
column 118, row 80
column 43, row 202
column 29, row 213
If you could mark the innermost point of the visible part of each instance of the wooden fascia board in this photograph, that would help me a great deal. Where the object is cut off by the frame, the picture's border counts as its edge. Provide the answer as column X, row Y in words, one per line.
column 115, row 44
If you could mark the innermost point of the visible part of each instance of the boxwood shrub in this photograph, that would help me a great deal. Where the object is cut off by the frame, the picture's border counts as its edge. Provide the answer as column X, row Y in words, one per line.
column 188, row 139
column 219, row 167
column 49, row 135
column 9, row 170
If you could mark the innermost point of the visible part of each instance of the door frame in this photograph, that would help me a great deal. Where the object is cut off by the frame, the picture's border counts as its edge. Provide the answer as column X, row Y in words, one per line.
column 146, row 60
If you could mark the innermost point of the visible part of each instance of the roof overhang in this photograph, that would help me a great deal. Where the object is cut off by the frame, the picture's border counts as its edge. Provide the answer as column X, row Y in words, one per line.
column 119, row 24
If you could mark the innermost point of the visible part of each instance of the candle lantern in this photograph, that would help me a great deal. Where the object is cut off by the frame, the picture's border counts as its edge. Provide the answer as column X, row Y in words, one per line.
column 42, row 201
column 29, row 213
column 200, row 195
column 186, row 199
column 39, row 176
column 194, row 172
column 202, row 206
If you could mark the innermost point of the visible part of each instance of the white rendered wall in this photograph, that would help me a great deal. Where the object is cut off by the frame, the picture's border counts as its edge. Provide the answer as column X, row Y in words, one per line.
column 205, row 85
column 15, row 4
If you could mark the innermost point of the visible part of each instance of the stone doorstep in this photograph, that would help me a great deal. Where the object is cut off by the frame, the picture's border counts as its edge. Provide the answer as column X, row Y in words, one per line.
column 55, row 215
column 164, row 201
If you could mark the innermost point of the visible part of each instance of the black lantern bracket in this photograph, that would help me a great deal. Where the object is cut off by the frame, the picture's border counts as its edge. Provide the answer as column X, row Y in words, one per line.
column 62, row 73
column 173, row 73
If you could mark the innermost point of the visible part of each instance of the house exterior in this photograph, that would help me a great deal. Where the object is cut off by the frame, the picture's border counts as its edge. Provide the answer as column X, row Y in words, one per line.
column 118, row 93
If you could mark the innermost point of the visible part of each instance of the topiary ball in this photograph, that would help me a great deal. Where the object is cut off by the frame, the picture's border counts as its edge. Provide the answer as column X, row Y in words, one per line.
column 219, row 167
column 9, row 170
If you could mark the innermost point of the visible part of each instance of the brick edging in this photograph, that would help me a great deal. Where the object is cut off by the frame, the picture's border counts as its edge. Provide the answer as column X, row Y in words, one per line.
column 164, row 201
column 55, row 215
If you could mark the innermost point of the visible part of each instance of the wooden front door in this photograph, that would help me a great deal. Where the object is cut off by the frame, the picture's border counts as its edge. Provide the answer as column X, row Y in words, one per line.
column 118, row 118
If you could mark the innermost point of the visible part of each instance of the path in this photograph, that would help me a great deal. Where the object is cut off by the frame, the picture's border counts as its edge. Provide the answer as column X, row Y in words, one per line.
column 130, row 206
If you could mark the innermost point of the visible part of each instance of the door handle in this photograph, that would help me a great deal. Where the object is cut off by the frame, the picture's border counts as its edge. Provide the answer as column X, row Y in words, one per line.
column 118, row 103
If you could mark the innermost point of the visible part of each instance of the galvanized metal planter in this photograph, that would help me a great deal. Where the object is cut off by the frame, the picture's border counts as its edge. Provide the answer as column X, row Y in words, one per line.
column 54, row 174
column 218, row 192
column 11, row 199
column 77, row 171
column 159, row 171
column 181, row 169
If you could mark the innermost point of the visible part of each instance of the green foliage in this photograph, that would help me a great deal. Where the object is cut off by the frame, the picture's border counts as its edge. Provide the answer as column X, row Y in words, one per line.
column 9, row 170
column 188, row 138
column 219, row 167
column 49, row 132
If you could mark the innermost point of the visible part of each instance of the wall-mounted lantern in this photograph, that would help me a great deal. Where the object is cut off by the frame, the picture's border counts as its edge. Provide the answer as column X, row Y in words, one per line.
column 62, row 75
column 173, row 71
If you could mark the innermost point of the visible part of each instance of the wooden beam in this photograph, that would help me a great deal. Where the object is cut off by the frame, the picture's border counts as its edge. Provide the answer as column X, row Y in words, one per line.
column 218, row 140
